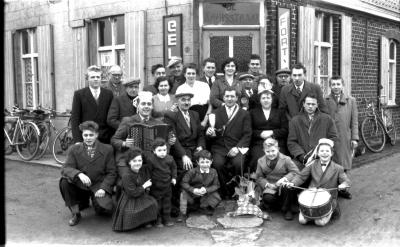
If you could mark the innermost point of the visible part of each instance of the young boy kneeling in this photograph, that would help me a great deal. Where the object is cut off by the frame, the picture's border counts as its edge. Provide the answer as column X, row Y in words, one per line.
column 200, row 183
column 324, row 174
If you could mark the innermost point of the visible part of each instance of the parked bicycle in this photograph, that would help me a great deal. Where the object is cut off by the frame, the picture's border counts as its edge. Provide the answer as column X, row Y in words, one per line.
column 378, row 127
column 62, row 142
column 22, row 134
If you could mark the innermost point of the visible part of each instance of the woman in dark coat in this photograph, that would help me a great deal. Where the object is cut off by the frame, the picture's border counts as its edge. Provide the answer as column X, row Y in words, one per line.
column 135, row 207
column 267, row 121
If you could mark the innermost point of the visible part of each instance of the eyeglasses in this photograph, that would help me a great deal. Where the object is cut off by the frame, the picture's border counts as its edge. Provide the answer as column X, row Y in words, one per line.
column 117, row 75
column 283, row 76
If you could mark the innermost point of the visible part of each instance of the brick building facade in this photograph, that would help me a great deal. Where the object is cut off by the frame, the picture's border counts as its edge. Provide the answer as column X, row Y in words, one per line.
column 50, row 43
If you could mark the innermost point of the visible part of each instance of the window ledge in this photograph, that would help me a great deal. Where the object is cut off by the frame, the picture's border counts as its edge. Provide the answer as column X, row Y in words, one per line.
column 391, row 106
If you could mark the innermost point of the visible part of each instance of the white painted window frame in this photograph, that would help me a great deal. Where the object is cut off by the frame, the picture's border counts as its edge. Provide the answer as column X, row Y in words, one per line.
column 319, row 44
column 391, row 99
column 113, row 47
column 31, row 56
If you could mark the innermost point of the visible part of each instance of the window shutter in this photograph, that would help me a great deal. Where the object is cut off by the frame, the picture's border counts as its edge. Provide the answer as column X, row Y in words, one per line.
column 345, row 63
column 93, row 44
column 46, row 66
column 80, row 50
column 384, row 78
column 134, row 45
column 19, row 96
column 305, row 47
column 8, row 71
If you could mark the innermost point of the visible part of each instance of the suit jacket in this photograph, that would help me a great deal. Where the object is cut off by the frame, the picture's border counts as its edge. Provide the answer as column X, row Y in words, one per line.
column 293, row 104
column 194, row 179
column 304, row 136
column 218, row 88
column 186, row 137
column 277, row 122
column 345, row 115
column 121, row 106
column 285, row 167
column 334, row 175
column 100, row 169
column 84, row 108
column 122, row 133
column 237, row 132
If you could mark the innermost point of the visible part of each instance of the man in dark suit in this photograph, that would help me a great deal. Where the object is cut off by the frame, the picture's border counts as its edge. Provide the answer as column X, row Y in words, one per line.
column 292, row 95
column 92, row 103
column 89, row 172
column 209, row 69
column 231, row 131
column 125, row 104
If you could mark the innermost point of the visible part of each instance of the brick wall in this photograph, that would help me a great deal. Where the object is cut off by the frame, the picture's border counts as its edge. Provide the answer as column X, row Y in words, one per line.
column 366, row 34
column 271, row 14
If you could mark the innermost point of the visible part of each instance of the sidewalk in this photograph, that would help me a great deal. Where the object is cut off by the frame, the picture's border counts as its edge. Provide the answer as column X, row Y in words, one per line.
column 366, row 158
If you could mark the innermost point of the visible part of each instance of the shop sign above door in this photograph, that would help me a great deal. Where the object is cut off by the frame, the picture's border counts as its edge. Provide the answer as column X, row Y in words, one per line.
column 172, row 26
column 231, row 13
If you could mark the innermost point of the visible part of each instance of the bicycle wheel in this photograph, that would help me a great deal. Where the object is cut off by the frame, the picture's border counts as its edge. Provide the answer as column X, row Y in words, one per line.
column 44, row 139
column 62, row 142
column 28, row 140
column 373, row 134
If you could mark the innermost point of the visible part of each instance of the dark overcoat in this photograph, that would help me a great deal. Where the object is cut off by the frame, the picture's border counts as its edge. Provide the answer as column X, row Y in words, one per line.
column 121, row 107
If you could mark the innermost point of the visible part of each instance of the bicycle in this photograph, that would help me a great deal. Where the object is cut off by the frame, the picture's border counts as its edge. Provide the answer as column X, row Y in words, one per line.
column 377, row 126
column 22, row 134
column 43, row 119
column 62, row 142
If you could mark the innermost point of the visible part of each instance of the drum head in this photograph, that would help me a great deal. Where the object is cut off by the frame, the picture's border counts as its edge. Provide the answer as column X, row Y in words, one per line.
column 314, row 198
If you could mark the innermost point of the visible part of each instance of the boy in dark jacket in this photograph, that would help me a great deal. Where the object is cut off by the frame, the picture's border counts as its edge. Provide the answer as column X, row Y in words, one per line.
column 200, row 183
column 163, row 173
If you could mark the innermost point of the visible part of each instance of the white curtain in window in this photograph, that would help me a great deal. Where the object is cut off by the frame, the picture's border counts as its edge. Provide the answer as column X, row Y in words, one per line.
column 134, row 45
column 384, row 67
column 305, row 47
column 46, row 66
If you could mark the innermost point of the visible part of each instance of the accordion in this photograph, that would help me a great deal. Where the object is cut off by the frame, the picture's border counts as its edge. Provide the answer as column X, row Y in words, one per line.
column 143, row 134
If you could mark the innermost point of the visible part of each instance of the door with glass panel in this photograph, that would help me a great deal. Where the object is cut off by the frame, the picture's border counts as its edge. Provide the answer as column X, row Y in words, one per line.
column 239, row 44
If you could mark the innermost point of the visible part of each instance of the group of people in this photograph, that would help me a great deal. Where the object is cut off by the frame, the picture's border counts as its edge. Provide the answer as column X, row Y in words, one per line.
column 294, row 135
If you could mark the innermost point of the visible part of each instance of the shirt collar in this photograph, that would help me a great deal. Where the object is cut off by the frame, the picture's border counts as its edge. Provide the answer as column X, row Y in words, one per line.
column 205, row 171
column 163, row 98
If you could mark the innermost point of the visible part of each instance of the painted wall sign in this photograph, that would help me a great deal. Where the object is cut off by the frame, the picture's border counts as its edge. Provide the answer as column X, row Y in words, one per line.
column 231, row 13
column 172, row 36
column 283, row 38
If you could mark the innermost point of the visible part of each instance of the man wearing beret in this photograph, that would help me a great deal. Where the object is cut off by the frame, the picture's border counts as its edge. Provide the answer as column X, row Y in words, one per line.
column 125, row 104
column 175, row 67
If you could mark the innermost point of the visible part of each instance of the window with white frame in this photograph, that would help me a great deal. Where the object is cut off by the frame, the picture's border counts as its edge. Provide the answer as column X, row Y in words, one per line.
column 323, row 43
column 388, row 70
column 111, row 43
column 391, row 85
column 29, row 64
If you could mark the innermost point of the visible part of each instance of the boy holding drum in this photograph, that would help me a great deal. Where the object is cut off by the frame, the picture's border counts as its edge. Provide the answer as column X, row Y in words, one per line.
column 326, row 175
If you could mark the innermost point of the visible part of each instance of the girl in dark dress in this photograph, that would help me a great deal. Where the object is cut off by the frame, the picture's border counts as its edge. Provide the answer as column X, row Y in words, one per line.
column 135, row 207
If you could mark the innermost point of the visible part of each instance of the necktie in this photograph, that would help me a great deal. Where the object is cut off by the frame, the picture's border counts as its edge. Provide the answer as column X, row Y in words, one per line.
column 187, row 118
column 209, row 81
column 96, row 95
column 298, row 90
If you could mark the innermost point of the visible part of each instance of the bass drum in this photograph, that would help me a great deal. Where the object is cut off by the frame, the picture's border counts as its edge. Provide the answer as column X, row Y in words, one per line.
column 315, row 203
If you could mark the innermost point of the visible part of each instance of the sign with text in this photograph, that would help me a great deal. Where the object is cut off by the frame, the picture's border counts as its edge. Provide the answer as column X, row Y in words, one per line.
column 283, row 38
column 172, row 25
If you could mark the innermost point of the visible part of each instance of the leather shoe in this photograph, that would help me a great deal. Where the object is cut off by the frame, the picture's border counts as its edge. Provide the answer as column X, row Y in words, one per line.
column 181, row 217
column 288, row 215
column 75, row 219
column 345, row 194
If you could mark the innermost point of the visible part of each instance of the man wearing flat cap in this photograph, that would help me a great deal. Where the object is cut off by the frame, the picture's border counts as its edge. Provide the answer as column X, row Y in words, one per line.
column 115, row 82
column 189, row 136
column 175, row 67
column 248, row 100
column 282, row 78
column 121, row 141
column 92, row 103
column 125, row 104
